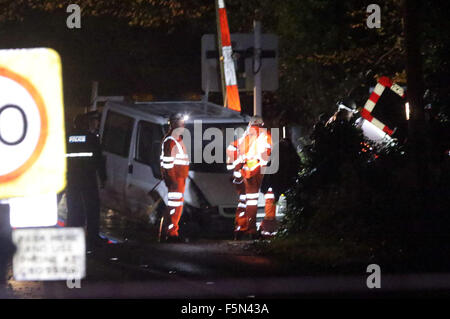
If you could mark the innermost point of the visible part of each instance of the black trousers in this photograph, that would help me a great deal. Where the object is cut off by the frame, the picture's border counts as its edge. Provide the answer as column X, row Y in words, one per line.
column 7, row 247
column 83, row 205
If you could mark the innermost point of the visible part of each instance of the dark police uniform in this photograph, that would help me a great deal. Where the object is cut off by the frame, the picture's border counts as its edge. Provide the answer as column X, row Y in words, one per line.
column 84, row 160
column 7, row 247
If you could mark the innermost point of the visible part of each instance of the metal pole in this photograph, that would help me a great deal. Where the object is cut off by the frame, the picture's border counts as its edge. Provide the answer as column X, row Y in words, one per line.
column 219, row 44
column 94, row 95
column 257, row 92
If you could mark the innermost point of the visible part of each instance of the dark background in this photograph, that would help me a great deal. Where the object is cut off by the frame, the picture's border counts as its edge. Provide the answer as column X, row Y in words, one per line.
column 152, row 48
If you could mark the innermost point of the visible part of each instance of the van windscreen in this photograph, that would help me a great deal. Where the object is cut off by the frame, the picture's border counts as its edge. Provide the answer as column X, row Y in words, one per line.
column 117, row 133
column 208, row 142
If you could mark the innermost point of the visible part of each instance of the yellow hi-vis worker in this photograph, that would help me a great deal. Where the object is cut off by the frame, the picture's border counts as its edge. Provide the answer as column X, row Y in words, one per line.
column 254, row 149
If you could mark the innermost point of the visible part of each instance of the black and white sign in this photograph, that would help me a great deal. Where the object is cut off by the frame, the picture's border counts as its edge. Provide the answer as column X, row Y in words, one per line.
column 49, row 254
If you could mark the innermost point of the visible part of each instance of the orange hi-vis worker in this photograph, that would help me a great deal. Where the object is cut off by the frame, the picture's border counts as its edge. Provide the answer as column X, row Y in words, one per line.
column 174, row 170
column 234, row 163
column 254, row 148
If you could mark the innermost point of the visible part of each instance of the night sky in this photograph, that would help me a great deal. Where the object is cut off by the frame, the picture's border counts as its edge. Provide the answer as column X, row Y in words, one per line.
column 125, row 60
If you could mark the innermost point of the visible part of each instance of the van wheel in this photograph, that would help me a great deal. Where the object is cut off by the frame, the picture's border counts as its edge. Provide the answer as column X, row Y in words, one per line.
column 155, row 215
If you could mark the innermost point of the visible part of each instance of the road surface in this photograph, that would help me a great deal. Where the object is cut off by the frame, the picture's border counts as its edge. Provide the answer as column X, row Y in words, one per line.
column 134, row 265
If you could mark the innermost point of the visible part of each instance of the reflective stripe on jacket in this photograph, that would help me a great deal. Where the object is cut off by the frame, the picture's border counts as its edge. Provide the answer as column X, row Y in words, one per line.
column 174, row 157
column 255, row 148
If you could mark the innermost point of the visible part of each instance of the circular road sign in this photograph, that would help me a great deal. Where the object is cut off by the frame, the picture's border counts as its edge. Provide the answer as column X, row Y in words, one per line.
column 23, row 125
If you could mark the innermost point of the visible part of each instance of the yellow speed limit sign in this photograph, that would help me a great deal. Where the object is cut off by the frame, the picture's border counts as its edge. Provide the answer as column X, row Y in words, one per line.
column 32, row 137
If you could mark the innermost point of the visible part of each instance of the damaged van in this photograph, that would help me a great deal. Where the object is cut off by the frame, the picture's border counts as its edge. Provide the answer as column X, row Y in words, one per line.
column 131, row 135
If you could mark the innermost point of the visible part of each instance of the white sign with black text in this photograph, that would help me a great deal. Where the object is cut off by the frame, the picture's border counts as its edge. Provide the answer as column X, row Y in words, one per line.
column 49, row 254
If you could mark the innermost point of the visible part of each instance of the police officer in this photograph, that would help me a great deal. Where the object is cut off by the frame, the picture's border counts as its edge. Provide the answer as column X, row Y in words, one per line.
column 94, row 122
column 7, row 247
column 84, row 162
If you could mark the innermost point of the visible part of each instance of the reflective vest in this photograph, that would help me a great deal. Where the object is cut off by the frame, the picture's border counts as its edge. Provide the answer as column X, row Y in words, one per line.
column 233, row 158
column 174, row 156
column 254, row 149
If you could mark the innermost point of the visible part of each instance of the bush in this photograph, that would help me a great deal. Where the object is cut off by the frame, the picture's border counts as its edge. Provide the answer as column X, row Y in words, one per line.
column 349, row 188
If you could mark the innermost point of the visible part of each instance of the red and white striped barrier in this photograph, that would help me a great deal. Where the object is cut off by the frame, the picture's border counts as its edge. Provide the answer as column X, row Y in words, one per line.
column 383, row 83
column 232, row 93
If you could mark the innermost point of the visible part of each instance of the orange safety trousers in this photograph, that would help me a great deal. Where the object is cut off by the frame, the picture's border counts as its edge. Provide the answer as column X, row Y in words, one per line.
column 240, row 221
column 252, row 186
column 246, row 212
column 174, row 208
column 175, row 169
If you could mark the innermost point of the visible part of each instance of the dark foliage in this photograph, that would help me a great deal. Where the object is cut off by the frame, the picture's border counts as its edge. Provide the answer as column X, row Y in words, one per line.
column 349, row 189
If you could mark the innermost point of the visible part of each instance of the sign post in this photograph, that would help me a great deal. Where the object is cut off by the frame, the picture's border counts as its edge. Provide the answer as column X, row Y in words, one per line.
column 33, row 165
column 257, row 92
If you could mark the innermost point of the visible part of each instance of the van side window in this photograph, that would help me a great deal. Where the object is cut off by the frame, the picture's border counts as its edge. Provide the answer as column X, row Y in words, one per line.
column 117, row 134
column 148, row 146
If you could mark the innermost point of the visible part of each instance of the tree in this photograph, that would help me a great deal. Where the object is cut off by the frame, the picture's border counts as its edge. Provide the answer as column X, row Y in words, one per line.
column 326, row 47
column 418, row 132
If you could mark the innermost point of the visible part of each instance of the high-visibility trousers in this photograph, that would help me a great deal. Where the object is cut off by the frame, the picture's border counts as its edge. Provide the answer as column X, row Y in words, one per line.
column 269, row 224
column 174, row 208
column 252, row 186
column 240, row 221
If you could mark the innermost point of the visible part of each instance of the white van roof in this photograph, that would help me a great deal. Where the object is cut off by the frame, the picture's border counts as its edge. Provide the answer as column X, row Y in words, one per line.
column 159, row 112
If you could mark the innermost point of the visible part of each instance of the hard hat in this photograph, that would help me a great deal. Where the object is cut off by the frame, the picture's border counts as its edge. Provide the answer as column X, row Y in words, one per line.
column 256, row 121
column 176, row 119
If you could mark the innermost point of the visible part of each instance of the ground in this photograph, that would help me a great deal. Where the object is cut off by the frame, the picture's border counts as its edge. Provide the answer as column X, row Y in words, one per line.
column 135, row 265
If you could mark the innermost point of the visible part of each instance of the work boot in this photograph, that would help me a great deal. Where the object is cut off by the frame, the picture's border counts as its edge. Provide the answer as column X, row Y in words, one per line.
column 255, row 236
column 173, row 240
column 238, row 235
column 249, row 236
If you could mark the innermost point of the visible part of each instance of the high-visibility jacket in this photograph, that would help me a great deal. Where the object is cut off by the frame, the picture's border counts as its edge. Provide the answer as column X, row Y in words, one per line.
column 254, row 149
column 174, row 158
column 234, row 161
column 174, row 170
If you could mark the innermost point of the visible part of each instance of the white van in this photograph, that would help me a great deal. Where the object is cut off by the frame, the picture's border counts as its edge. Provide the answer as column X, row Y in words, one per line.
column 131, row 134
